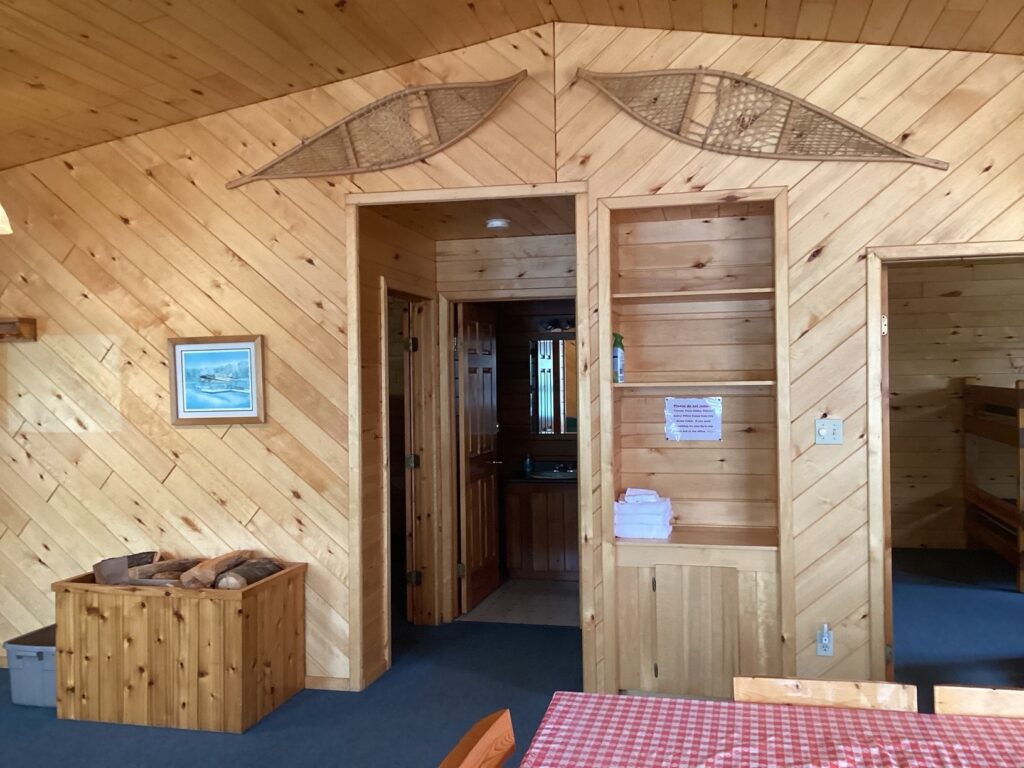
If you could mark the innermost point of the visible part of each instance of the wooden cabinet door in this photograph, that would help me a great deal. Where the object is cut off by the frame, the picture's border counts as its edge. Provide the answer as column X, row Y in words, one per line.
column 696, row 636
column 689, row 629
column 542, row 530
column 478, row 454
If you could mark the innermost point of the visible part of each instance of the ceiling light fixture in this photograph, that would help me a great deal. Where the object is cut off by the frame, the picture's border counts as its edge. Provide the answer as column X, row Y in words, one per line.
column 497, row 223
column 5, row 223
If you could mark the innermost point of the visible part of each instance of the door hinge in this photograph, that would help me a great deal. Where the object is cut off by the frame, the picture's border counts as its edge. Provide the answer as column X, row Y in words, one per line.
column 885, row 325
column 655, row 669
column 455, row 344
column 654, row 584
column 414, row 577
column 460, row 571
column 412, row 344
column 412, row 461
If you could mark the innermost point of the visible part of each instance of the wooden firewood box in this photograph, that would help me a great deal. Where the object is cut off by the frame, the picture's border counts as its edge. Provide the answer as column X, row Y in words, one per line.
column 203, row 659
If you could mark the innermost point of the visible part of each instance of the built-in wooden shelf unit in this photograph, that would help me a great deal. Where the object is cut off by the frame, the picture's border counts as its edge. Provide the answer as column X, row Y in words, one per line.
column 696, row 285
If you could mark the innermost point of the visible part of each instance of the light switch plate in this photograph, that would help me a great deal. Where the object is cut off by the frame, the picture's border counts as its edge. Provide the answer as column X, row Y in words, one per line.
column 828, row 431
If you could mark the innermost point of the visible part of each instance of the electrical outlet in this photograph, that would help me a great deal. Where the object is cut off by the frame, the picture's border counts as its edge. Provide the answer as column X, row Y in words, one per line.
column 825, row 644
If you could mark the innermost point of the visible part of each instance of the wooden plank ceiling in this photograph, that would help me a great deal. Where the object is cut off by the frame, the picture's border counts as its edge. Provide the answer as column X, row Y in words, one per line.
column 79, row 72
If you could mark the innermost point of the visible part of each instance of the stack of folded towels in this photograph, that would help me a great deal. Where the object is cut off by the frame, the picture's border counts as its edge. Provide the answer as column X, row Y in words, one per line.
column 642, row 514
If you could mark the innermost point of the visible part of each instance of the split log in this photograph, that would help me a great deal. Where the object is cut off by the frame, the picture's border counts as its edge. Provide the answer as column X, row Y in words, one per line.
column 204, row 574
column 114, row 570
column 247, row 573
column 152, row 570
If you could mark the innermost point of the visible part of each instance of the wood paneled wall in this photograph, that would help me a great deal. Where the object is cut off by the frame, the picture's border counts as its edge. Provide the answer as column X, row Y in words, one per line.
column 117, row 248
column 121, row 245
column 947, row 322
column 525, row 267
column 963, row 108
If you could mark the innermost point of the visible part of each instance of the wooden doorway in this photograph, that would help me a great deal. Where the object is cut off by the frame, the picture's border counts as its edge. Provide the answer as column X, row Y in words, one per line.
column 515, row 386
column 400, row 244
column 880, row 483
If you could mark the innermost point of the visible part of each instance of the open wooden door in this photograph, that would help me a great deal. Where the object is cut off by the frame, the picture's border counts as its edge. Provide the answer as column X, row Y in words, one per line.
column 478, row 454
column 410, row 446
column 890, row 671
column 421, row 462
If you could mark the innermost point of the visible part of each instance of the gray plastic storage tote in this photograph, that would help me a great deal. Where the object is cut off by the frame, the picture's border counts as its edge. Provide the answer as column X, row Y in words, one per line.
column 33, row 664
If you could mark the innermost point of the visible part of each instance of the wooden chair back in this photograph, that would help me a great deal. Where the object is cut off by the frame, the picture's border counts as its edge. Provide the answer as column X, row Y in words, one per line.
column 826, row 693
column 488, row 744
column 991, row 702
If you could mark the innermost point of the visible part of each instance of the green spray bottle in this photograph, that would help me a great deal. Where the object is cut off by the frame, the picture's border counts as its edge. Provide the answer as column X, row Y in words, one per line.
column 618, row 359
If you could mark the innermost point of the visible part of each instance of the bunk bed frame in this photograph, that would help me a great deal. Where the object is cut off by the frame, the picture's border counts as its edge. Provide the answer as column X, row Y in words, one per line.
column 997, row 414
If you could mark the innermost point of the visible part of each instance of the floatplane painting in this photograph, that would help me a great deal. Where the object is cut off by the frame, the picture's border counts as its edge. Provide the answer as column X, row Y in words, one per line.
column 216, row 382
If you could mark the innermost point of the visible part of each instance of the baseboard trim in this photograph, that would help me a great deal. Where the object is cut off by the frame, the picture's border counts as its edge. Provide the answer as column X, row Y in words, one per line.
column 328, row 683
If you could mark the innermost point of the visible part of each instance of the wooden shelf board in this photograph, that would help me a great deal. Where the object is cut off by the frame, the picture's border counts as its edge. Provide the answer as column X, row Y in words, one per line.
column 712, row 536
column 725, row 294
column 694, row 384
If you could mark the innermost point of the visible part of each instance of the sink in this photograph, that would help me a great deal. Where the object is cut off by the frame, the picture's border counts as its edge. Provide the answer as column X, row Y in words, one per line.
column 554, row 474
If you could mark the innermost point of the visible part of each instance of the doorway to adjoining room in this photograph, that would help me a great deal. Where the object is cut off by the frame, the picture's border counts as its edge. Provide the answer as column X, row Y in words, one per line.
column 478, row 407
column 953, row 348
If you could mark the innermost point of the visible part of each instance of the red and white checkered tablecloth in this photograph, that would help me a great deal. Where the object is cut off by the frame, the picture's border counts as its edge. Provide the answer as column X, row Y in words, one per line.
column 584, row 730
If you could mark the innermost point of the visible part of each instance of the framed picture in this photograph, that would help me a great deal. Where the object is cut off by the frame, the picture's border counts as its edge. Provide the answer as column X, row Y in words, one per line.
column 216, row 380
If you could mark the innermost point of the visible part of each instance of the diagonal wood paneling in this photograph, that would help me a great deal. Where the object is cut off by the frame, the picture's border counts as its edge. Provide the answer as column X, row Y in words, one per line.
column 78, row 72
column 965, row 108
column 123, row 244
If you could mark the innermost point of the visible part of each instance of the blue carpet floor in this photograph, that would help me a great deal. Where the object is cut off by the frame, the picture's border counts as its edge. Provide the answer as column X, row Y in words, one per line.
column 443, row 680
column 957, row 618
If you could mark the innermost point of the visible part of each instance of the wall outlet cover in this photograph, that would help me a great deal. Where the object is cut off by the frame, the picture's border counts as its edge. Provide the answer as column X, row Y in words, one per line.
column 828, row 431
column 825, row 644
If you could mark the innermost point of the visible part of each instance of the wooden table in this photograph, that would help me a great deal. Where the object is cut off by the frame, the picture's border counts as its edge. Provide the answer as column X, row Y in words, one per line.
column 582, row 730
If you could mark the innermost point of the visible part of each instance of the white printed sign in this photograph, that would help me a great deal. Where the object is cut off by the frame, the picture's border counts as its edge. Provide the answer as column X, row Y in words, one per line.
column 693, row 418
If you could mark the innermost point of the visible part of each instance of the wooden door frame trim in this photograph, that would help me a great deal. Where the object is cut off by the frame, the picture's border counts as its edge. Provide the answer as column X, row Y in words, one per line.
column 353, row 310
column 786, row 580
column 554, row 189
column 876, row 259
column 591, row 618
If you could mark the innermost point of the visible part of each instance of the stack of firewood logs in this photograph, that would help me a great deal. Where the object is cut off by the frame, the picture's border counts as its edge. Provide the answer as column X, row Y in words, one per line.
column 233, row 570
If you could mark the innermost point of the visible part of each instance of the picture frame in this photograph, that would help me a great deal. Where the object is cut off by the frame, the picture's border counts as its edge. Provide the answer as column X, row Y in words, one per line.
column 216, row 380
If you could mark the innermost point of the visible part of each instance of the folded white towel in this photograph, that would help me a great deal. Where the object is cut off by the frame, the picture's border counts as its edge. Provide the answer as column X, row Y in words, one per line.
column 657, row 518
column 640, row 494
column 636, row 531
column 661, row 508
